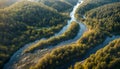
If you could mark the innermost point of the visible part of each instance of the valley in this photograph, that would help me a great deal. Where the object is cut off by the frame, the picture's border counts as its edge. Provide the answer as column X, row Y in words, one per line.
column 60, row 34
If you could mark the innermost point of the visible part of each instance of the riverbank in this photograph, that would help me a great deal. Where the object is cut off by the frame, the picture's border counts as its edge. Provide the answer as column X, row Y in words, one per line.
column 82, row 30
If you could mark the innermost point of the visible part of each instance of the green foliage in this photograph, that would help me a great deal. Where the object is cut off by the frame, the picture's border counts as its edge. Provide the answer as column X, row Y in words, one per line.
column 30, row 13
column 87, row 5
column 106, row 58
column 65, row 54
column 98, row 30
column 105, row 18
column 24, row 22
column 92, row 38
column 69, row 34
column 60, row 5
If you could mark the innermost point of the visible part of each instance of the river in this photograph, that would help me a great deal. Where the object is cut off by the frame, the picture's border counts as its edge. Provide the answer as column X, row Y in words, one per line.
column 19, row 59
column 22, row 61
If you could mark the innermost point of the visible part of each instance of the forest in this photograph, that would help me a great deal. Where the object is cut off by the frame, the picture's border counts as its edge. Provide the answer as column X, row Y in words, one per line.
column 70, row 33
column 89, row 39
column 23, row 22
column 60, row 5
column 106, row 58
column 88, row 5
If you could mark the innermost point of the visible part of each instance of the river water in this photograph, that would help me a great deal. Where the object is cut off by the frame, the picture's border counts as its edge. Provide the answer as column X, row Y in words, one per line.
column 20, row 58
column 20, row 61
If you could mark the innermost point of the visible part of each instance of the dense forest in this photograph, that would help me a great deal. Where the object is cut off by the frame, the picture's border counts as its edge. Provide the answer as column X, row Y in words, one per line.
column 64, row 55
column 70, row 33
column 60, row 5
column 26, row 21
column 87, row 5
column 108, row 19
column 106, row 58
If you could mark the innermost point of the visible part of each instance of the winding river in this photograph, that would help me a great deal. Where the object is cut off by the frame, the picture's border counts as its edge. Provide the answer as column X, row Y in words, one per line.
column 20, row 61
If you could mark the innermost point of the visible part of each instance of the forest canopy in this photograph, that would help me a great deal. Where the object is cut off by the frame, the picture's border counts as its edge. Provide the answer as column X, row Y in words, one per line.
column 24, row 22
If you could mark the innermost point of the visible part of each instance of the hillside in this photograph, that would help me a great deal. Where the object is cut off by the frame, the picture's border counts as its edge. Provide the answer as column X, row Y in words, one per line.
column 87, row 5
column 91, row 25
column 105, row 18
column 19, row 24
column 106, row 58
column 99, row 29
column 60, row 5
